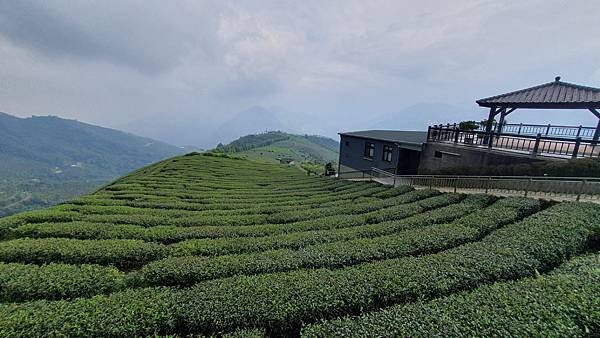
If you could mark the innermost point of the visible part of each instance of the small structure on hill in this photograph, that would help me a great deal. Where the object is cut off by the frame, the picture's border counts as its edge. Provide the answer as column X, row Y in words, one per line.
column 287, row 160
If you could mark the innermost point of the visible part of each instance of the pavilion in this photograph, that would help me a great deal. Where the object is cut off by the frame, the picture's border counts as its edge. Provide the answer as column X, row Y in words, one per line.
column 552, row 95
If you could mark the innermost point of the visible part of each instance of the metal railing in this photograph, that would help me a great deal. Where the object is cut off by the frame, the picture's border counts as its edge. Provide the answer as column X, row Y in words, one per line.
column 533, row 145
column 549, row 130
column 562, row 188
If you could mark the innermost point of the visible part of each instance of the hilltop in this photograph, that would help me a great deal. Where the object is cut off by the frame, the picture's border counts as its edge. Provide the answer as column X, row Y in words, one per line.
column 210, row 245
column 304, row 150
column 46, row 159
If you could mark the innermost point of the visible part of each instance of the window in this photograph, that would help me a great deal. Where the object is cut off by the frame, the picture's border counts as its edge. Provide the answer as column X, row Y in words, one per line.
column 369, row 150
column 387, row 153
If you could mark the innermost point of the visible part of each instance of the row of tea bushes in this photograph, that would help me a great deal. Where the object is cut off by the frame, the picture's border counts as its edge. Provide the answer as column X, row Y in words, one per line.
column 172, row 234
column 280, row 302
column 165, row 272
column 20, row 282
column 310, row 234
column 561, row 304
column 421, row 239
column 223, row 220
column 124, row 254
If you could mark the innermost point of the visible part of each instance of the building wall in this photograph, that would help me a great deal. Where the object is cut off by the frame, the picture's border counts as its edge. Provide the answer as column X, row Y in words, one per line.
column 352, row 156
column 439, row 155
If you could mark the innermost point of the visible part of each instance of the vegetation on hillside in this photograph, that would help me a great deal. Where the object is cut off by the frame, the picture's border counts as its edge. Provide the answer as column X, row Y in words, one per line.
column 309, row 152
column 46, row 159
column 206, row 244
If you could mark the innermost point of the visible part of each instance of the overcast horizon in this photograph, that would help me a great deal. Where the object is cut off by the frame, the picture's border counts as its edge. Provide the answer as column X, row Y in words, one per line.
column 185, row 71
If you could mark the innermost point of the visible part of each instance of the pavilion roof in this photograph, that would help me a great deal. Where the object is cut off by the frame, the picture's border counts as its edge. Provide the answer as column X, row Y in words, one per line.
column 551, row 95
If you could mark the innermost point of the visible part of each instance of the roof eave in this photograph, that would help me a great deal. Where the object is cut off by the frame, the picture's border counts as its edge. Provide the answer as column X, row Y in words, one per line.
column 548, row 105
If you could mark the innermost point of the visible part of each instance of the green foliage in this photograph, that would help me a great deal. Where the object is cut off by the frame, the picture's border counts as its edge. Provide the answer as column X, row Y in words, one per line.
column 212, row 245
column 280, row 302
column 562, row 304
column 19, row 282
column 121, row 253
column 468, row 125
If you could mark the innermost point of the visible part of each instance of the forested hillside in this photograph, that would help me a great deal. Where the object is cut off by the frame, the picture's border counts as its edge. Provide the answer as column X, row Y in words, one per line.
column 206, row 244
column 46, row 159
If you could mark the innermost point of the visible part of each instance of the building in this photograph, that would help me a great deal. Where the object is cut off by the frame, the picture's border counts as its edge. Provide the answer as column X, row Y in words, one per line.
column 491, row 142
column 390, row 150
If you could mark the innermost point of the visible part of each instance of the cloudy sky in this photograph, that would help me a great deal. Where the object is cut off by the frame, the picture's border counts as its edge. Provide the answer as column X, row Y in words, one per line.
column 176, row 70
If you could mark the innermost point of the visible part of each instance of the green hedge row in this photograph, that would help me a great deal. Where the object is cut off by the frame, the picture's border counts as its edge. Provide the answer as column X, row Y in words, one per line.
column 281, row 302
column 19, row 282
column 221, row 246
column 191, row 205
column 421, row 239
column 562, row 304
column 133, row 253
column 125, row 253
column 62, row 280
column 172, row 234
column 222, row 220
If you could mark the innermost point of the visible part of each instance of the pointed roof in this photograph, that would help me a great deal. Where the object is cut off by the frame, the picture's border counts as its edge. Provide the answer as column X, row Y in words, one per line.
column 552, row 95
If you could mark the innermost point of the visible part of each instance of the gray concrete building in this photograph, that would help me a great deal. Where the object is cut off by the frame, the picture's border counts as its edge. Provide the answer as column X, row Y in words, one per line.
column 391, row 150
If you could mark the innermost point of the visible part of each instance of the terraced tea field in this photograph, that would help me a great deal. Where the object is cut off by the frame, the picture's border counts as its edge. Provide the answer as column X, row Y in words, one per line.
column 207, row 245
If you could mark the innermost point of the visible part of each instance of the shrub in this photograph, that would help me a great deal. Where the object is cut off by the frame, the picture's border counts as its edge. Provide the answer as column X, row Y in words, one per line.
column 121, row 253
column 282, row 301
column 553, row 305
column 20, row 282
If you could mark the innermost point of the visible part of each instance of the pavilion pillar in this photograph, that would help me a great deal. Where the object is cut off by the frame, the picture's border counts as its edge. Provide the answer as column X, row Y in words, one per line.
column 489, row 125
column 501, row 121
column 597, row 132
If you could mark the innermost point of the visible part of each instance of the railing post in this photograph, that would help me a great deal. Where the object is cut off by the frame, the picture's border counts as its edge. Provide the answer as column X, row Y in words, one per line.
column 490, row 141
column 487, row 186
column 456, row 132
column 548, row 129
column 394, row 181
column 527, row 187
column 576, row 150
column 536, row 147
column 428, row 132
column 579, row 130
column 581, row 189
column 455, row 184
column 520, row 126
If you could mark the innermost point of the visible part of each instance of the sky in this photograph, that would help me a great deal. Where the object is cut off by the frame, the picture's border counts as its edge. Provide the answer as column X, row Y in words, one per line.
column 180, row 71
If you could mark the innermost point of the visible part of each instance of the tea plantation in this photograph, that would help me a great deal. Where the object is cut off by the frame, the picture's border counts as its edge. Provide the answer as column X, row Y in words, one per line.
column 208, row 245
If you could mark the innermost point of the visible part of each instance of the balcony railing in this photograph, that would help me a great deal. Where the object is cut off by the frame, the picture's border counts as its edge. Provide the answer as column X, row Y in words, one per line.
column 540, row 144
column 546, row 130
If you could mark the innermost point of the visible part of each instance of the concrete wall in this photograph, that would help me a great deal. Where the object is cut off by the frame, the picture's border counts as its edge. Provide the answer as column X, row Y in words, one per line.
column 458, row 156
column 352, row 156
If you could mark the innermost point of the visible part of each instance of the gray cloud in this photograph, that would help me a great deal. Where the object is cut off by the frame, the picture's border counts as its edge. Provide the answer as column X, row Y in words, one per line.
column 176, row 70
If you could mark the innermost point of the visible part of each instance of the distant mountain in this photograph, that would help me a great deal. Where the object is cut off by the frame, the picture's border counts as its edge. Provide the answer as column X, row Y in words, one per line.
column 49, row 146
column 273, row 146
column 420, row 116
column 47, row 159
